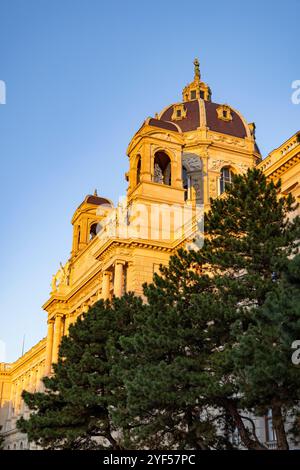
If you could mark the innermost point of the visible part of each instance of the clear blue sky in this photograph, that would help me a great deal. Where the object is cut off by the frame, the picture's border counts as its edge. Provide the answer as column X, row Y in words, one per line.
column 81, row 77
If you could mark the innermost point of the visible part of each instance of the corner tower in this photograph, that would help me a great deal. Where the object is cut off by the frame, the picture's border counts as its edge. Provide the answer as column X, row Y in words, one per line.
column 86, row 220
column 191, row 149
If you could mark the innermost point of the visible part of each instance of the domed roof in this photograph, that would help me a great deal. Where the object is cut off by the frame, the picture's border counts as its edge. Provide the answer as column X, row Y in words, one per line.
column 197, row 110
column 96, row 200
column 200, row 113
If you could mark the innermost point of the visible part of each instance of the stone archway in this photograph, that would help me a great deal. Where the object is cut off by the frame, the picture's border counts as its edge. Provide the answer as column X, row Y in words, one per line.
column 162, row 168
column 193, row 176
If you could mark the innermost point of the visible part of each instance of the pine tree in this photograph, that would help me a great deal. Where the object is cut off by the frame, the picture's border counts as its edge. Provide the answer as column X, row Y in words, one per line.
column 80, row 396
column 182, row 371
column 180, row 374
column 166, row 374
column 262, row 356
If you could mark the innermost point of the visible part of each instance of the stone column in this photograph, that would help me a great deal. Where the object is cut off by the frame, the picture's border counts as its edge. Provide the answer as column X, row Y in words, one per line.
column 130, row 281
column 11, row 401
column 49, row 347
column 57, row 337
column 32, row 380
column 37, row 379
column 106, row 285
column 41, row 375
column 206, row 194
column 176, row 172
column 26, row 385
column 118, row 279
column 68, row 322
column 14, row 401
column 18, row 396
column 146, row 163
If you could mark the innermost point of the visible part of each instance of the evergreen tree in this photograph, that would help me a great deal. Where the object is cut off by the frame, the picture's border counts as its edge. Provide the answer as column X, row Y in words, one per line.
column 166, row 373
column 186, row 369
column 179, row 370
column 262, row 357
column 80, row 396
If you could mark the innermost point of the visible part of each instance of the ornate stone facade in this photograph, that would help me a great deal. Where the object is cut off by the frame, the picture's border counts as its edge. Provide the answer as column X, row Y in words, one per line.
column 189, row 144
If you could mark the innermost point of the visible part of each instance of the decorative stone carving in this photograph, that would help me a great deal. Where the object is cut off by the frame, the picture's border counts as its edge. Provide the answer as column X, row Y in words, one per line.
column 236, row 142
column 62, row 277
column 192, row 162
column 216, row 165
column 213, row 187
column 242, row 167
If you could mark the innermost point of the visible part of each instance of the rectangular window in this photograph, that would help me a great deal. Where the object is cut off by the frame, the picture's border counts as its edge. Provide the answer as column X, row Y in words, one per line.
column 178, row 113
column 226, row 178
column 202, row 94
column 193, row 94
column 270, row 433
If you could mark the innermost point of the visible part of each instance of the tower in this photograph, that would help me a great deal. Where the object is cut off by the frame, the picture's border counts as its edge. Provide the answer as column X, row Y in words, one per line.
column 86, row 220
column 189, row 151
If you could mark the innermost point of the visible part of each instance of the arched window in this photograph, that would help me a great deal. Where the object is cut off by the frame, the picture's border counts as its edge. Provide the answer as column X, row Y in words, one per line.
column 94, row 229
column 21, row 446
column 185, row 182
column 225, row 178
column 162, row 168
column 78, row 236
column 138, row 170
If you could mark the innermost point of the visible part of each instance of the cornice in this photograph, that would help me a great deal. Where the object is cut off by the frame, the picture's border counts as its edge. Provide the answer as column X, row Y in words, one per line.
column 153, row 133
column 30, row 355
column 274, row 169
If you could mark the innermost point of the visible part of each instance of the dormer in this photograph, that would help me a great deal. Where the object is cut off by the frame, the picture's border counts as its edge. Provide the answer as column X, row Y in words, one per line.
column 224, row 112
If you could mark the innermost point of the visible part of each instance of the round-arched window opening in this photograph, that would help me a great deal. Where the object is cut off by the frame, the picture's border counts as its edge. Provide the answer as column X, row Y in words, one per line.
column 225, row 178
column 162, row 168
column 94, row 230
column 21, row 446
column 185, row 182
column 138, row 170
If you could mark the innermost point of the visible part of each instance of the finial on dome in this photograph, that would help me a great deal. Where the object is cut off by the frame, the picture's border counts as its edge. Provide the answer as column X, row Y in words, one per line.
column 95, row 192
column 196, row 69
column 196, row 89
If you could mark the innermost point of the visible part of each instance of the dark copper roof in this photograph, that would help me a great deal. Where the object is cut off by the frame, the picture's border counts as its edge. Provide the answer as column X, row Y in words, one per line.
column 192, row 119
column 163, row 124
column 96, row 200
column 234, row 127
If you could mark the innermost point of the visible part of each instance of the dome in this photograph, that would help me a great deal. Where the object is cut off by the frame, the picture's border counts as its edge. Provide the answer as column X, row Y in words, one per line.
column 97, row 201
column 90, row 206
column 200, row 113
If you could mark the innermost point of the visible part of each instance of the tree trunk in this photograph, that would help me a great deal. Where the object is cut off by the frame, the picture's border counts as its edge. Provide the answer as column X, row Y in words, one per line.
column 249, row 443
column 192, row 437
column 278, row 425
